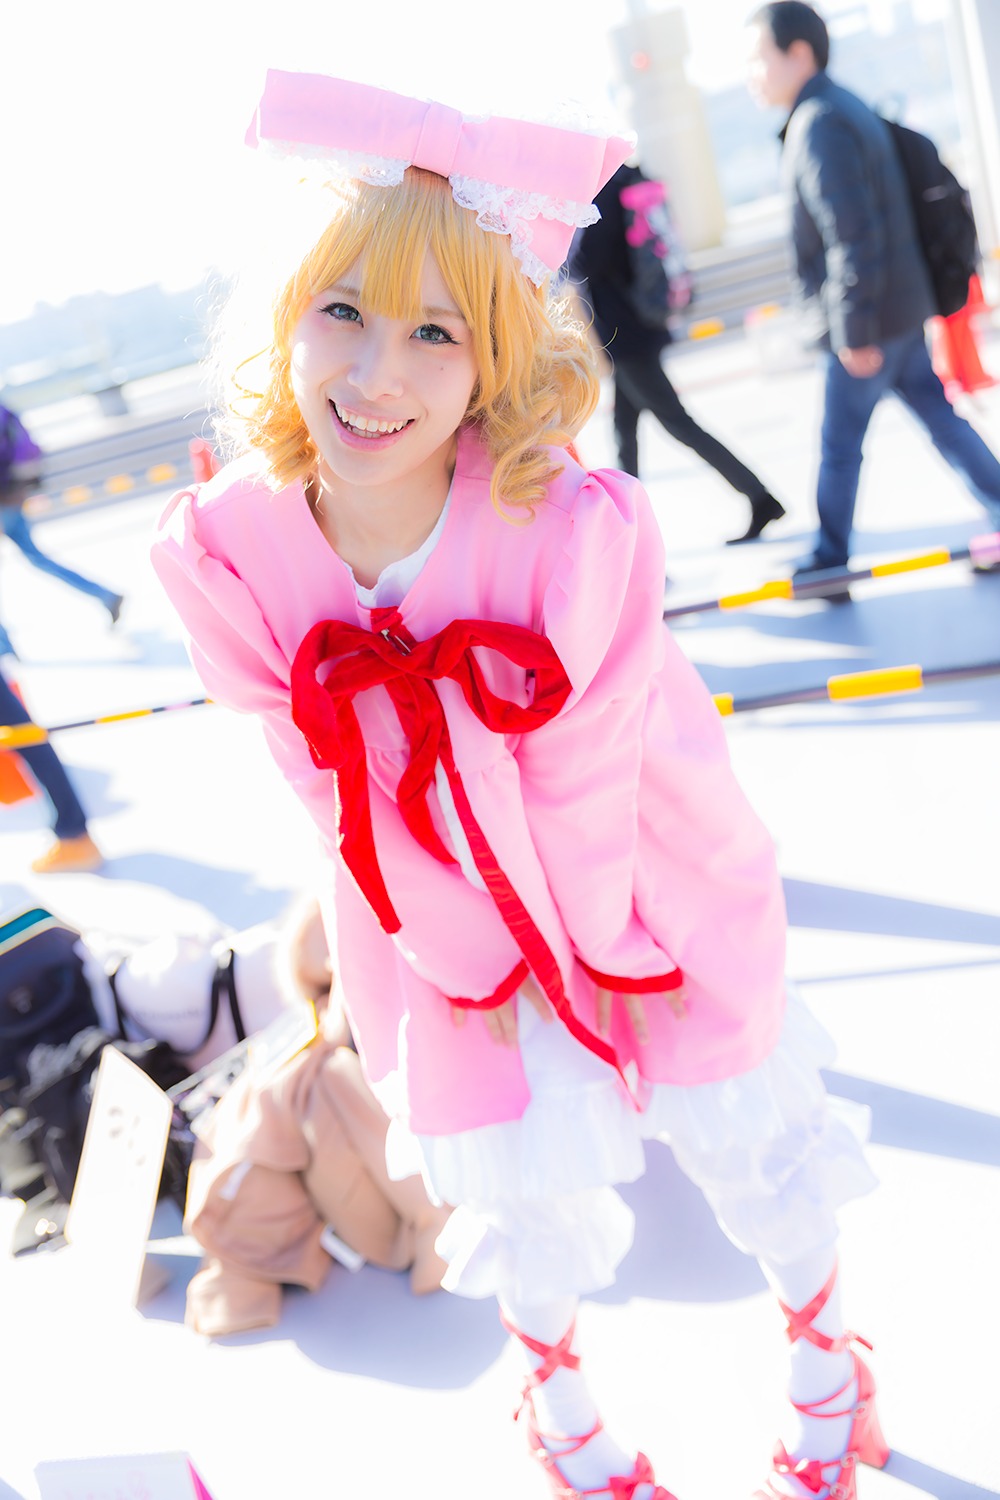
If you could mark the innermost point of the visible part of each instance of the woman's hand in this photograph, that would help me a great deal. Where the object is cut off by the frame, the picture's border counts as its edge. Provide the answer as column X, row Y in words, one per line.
column 501, row 1023
column 636, row 1007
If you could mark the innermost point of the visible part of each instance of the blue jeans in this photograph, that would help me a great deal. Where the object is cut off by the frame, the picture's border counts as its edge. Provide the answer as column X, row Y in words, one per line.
column 849, row 402
column 14, row 524
column 70, row 820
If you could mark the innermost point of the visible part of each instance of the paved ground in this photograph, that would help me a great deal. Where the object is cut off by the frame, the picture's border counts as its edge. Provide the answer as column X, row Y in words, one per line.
column 886, row 821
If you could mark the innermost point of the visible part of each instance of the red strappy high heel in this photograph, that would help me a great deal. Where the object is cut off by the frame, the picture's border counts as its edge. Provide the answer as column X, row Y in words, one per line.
column 553, row 1356
column 836, row 1479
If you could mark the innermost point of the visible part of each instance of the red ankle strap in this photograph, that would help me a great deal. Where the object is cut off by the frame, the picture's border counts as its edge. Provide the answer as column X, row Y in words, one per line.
column 800, row 1323
column 553, row 1356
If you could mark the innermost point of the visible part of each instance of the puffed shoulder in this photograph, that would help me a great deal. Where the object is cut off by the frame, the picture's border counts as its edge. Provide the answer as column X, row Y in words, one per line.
column 234, row 481
column 231, row 646
column 605, row 591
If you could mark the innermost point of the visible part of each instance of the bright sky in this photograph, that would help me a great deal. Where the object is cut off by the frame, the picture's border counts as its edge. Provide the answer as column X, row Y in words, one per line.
column 123, row 123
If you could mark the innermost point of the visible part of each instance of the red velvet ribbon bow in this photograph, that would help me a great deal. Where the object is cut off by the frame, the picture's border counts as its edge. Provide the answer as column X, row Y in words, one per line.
column 624, row 1489
column 808, row 1471
column 407, row 669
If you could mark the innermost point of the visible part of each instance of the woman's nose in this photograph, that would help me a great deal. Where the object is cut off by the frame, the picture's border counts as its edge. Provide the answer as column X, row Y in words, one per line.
column 375, row 371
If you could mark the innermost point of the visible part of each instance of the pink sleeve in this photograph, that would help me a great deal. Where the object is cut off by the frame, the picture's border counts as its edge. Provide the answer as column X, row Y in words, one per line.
column 234, row 652
column 582, row 773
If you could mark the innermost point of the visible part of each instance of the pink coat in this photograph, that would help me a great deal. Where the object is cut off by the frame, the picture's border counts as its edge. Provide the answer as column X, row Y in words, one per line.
column 618, row 824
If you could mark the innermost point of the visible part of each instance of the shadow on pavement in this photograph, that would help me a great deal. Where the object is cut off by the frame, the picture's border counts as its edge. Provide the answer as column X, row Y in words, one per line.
column 934, row 1481
column 680, row 1254
column 232, row 896
column 368, row 1323
column 917, row 1122
column 833, row 908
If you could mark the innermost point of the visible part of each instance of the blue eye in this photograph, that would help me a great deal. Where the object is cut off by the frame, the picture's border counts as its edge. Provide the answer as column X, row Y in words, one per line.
column 341, row 312
column 431, row 333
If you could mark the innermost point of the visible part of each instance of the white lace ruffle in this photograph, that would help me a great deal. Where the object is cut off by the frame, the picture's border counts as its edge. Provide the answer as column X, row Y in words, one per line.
column 567, row 1141
column 534, row 1251
column 503, row 210
column 498, row 209
column 774, row 1155
column 382, row 171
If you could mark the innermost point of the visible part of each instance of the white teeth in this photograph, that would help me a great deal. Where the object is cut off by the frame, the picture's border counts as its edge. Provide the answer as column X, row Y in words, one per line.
column 366, row 424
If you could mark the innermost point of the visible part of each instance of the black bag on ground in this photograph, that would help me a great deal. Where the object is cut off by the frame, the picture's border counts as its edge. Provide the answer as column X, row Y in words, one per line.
column 52, row 1109
column 943, row 214
column 44, row 994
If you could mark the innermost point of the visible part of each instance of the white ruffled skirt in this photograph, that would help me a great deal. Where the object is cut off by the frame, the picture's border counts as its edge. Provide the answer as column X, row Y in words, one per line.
column 536, row 1216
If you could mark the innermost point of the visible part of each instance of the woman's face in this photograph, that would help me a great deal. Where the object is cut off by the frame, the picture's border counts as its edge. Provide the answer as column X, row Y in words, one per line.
column 382, row 397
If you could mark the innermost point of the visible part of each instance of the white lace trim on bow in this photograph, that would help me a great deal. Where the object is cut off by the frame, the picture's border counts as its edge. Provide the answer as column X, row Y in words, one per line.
column 504, row 210
column 498, row 209
column 361, row 166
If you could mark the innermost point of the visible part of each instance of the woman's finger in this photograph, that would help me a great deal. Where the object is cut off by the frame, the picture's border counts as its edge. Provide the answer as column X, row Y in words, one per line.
column 535, row 996
column 677, row 1000
column 636, row 1007
column 603, row 1018
column 502, row 1024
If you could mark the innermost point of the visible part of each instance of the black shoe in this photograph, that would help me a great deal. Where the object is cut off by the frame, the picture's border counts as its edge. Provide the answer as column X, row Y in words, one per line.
column 811, row 569
column 115, row 608
column 762, row 513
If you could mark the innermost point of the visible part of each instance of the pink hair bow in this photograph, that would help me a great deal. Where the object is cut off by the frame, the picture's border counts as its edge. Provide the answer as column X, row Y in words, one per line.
column 534, row 182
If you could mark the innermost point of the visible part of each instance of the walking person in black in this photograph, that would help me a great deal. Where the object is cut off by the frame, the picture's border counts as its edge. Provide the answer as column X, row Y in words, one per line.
column 863, row 283
column 600, row 266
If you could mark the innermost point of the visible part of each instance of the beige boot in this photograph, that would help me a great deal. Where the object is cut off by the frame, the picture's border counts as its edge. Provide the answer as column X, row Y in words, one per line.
column 366, row 1123
column 68, row 855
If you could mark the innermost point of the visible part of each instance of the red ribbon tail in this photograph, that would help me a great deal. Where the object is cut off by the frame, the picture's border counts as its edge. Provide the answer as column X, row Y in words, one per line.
column 517, row 919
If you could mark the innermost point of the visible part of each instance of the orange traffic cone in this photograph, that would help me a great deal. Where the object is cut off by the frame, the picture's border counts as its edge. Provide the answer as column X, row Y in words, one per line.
column 14, row 784
column 955, row 349
column 204, row 462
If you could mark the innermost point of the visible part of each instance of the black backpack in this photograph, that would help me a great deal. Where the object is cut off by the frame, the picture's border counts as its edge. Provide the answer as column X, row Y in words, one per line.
column 943, row 216
column 50, row 1048
column 52, row 1109
column 659, row 283
column 44, row 994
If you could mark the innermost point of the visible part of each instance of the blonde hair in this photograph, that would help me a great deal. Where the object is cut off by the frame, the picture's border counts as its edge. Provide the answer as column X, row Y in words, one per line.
column 538, row 381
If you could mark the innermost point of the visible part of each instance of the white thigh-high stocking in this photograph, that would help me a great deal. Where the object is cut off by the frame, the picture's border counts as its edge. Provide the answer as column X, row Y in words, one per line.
column 563, row 1407
column 820, row 1377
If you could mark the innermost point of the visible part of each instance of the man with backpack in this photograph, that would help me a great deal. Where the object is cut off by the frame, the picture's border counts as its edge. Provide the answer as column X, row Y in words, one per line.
column 620, row 268
column 864, row 279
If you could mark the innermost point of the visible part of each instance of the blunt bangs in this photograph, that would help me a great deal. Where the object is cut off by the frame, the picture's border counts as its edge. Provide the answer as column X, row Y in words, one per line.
column 390, row 231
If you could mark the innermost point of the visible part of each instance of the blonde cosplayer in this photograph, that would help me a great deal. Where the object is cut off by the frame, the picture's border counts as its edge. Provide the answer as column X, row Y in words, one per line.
column 538, row 381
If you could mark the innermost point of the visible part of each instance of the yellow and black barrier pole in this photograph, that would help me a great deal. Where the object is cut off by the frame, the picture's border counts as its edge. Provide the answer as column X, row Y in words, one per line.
column 881, row 682
column 982, row 551
column 23, row 736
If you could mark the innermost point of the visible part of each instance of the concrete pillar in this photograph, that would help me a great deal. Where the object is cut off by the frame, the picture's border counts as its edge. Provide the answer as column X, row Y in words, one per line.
column 667, row 114
column 975, row 45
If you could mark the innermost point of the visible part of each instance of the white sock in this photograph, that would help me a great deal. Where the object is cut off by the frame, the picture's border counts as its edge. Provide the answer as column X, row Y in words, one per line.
column 816, row 1374
column 563, row 1406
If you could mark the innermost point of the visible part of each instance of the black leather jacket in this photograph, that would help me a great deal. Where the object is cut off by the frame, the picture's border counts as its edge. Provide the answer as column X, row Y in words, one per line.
column 861, row 274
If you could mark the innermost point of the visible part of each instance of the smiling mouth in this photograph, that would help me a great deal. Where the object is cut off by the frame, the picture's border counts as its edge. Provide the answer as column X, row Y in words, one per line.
column 367, row 427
